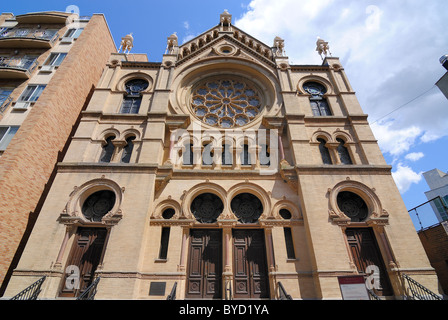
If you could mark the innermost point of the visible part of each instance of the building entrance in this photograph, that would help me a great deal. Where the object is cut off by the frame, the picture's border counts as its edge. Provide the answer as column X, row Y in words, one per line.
column 367, row 258
column 86, row 253
column 204, row 270
column 250, row 265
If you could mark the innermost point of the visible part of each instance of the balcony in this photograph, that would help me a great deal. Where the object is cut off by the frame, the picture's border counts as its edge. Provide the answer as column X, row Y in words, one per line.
column 28, row 38
column 17, row 68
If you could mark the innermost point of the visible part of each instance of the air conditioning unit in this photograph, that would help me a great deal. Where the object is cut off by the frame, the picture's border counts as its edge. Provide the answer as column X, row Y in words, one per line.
column 47, row 68
column 66, row 40
column 21, row 105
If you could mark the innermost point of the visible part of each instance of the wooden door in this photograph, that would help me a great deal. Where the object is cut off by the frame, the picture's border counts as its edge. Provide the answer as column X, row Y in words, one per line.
column 84, row 258
column 250, row 265
column 204, row 265
column 365, row 252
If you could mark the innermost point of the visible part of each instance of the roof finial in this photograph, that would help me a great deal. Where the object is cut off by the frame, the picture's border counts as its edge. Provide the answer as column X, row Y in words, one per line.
column 127, row 43
column 225, row 19
column 322, row 47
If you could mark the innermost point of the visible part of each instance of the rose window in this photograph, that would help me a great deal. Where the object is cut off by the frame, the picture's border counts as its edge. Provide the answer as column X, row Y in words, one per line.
column 226, row 103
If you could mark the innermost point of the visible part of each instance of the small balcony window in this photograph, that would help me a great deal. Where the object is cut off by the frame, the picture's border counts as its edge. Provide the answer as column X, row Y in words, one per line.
column 55, row 59
column 6, row 135
column 73, row 33
column 32, row 93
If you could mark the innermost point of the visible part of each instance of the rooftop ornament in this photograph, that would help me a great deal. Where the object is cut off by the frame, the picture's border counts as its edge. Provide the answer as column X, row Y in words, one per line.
column 127, row 43
column 322, row 48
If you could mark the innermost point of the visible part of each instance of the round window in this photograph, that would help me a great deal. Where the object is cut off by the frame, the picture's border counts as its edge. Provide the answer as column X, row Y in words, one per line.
column 207, row 207
column 225, row 102
column 98, row 204
column 247, row 207
column 352, row 205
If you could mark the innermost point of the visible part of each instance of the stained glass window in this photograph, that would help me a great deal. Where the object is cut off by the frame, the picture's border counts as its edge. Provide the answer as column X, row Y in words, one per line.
column 226, row 102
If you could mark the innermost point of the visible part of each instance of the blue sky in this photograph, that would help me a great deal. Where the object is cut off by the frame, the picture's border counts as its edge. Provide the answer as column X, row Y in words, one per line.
column 390, row 51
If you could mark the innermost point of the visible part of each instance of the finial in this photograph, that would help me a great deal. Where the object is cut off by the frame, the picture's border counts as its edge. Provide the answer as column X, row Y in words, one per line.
column 322, row 47
column 127, row 43
column 279, row 45
column 226, row 18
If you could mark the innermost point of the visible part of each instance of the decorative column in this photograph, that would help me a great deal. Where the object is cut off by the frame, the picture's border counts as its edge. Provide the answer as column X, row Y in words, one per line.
column 58, row 263
column 271, row 260
column 184, row 248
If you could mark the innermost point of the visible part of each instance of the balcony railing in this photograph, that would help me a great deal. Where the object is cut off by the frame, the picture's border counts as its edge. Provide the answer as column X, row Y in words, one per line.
column 4, row 104
column 48, row 36
column 23, row 65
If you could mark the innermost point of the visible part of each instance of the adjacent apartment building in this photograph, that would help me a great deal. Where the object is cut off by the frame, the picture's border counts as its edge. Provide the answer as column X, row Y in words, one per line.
column 49, row 65
column 224, row 171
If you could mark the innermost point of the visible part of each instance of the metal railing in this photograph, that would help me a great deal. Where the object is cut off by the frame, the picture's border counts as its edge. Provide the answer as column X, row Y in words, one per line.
column 5, row 104
column 418, row 291
column 172, row 295
column 38, row 34
column 373, row 295
column 282, row 294
column 90, row 292
column 31, row 292
column 24, row 64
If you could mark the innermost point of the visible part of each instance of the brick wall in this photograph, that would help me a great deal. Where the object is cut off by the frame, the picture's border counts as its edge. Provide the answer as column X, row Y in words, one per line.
column 435, row 242
column 30, row 159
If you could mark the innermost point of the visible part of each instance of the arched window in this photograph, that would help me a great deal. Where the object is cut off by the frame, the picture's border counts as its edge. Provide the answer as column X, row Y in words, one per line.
column 265, row 159
column 245, row 156
column 344, row 156
column 226, row 155
column 352, row 205
column 319, row 104
column 187, row 155
column 108, row 150
column 127, row 150
column 325, row 154
column 133, row 97
column 207, row 155
column 246, row 207
column 98, row 204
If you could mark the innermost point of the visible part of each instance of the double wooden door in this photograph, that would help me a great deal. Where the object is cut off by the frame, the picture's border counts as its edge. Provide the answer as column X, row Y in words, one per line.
column 86, row 254
column 204, row 269
column 367, row 257
column 250, row 265
column 205, row 265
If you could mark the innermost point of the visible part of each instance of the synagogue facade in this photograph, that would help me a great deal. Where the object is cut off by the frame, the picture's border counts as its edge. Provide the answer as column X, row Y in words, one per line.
column 227, row 172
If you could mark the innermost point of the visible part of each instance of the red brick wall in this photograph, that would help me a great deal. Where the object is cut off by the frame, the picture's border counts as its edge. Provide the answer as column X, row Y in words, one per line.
column 435, row 242
column 30, row 159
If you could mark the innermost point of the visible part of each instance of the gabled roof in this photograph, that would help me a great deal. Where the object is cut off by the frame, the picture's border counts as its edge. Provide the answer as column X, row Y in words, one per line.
column 231, row 33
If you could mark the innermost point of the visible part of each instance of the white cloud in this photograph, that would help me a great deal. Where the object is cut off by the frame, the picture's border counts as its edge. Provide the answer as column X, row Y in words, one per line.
column 395, row 141
column 414, row 156
column 389, row 51
column 404, row 177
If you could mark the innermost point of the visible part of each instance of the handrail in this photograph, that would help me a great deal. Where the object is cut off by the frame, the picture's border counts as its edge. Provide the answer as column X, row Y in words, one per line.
column 90, row 292
column 172, row 295
column 31, row 292
column 283, row 295
column 372, row 295
column 419, row 292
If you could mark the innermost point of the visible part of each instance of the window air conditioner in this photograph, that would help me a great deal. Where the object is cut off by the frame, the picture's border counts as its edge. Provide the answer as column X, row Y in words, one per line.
column 21, row 105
